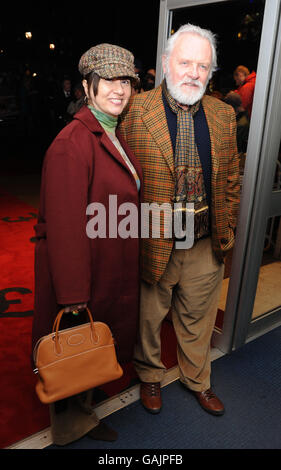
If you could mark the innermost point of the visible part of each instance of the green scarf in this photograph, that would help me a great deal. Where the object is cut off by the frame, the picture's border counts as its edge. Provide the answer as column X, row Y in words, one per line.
column 109, row 123
column 189, row 184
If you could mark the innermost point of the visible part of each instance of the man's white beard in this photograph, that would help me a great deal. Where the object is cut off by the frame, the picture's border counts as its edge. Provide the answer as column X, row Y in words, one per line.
column 185, row 98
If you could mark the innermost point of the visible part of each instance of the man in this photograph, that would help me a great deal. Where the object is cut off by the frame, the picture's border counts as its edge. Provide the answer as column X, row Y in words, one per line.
column 62, row 98
column 246, row 83
column 186, row 143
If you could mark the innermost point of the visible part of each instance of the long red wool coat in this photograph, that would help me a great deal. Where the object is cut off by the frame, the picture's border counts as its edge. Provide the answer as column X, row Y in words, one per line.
column 82, row 166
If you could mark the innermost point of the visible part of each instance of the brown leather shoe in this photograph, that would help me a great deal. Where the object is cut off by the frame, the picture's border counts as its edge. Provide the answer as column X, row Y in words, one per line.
column 210, row 402
column 150, row 395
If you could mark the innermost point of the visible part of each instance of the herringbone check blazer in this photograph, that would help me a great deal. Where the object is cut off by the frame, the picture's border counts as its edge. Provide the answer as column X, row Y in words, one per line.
column 145, row 128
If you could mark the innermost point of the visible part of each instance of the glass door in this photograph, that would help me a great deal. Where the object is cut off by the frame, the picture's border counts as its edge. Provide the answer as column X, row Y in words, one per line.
column 267, row 304
column 248, row 34
column 262, row 273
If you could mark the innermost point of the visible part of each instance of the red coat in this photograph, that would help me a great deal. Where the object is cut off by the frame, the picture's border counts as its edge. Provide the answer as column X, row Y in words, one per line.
column 246, row 92
column 82, row 166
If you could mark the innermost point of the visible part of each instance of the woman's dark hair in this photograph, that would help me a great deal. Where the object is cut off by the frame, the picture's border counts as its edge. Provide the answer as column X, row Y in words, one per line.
column 93, row 80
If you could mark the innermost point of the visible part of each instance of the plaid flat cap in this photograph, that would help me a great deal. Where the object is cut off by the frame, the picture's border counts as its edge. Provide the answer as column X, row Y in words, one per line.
column 108, row 61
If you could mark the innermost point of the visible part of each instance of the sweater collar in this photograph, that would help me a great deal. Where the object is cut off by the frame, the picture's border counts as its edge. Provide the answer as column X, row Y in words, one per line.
column 85, row 116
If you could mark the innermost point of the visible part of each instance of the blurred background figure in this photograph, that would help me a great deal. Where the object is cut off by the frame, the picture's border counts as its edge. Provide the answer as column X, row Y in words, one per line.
column 148, row 82
column 242, row 120
column 77, row 102
column 62, row 98
column 245, row 82
column 242, row 131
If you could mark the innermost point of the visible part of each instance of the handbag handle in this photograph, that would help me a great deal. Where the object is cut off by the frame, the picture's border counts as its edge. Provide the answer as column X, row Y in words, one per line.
column 57, row 324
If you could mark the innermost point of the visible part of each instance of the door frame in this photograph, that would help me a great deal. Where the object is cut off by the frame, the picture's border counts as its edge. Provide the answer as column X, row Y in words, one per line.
column 258, row 201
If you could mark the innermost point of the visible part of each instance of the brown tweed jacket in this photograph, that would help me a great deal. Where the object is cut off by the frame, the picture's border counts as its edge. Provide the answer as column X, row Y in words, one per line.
column 145, row 129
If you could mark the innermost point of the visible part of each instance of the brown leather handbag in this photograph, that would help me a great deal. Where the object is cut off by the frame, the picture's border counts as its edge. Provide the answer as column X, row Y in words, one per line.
column 74, row 360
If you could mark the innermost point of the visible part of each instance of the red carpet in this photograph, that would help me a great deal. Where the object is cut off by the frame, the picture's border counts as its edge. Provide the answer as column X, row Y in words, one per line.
column 21, row 413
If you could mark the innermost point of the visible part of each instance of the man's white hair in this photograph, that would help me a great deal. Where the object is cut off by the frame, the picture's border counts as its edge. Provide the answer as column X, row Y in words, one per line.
column 193, row 29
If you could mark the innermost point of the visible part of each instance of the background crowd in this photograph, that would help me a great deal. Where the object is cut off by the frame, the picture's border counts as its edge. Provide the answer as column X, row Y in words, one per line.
column 35, row 107
column 49, row 102
column 38, row 106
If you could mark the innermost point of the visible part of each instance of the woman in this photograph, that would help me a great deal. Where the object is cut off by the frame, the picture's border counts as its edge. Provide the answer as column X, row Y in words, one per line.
column 87, row 163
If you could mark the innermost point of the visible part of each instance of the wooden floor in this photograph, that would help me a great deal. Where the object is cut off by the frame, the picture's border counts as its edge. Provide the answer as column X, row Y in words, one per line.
column 268, row 295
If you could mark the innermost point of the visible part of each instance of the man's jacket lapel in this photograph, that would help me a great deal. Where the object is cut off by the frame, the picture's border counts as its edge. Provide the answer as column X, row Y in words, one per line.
column 215, row 134
column 154, row 118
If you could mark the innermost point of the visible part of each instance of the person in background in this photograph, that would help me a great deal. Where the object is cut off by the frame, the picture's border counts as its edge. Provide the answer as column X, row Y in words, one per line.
column 62, row 98
column 242, row 120
column 186, row 144
column 151, row 71
column 86, row 163
column 78, row 102
column 246, row 83
column 148, row 82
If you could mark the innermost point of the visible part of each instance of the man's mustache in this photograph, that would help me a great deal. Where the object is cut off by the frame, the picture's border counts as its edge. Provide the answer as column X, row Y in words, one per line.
column 191, row 82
